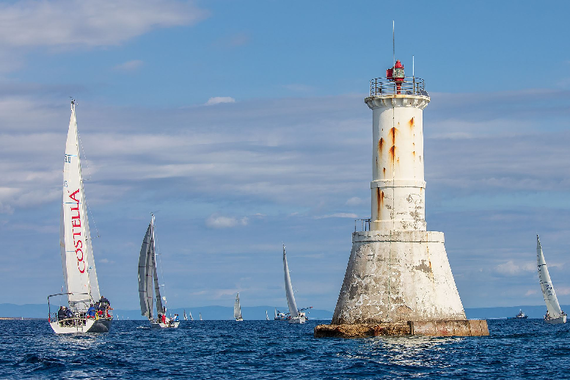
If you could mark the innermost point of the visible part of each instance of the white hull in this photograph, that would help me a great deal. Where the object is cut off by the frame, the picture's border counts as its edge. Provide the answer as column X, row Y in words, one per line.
column 160, row 325
column 297, row 320
column 81, row 325
column 239, row 319
column 556, row 321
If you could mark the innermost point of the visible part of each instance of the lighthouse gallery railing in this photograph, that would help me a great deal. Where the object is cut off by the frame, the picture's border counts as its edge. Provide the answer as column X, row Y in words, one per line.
column 409, row 86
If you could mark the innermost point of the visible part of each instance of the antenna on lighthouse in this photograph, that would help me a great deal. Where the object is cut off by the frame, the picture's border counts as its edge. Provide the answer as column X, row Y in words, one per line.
column 393, row 45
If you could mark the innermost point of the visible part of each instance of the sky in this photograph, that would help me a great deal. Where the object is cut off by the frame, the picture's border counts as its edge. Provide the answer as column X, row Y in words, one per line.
column 241, row 125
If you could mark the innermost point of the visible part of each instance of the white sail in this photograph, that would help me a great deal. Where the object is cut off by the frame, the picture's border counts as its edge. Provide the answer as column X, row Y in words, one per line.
column 552, row 305
column 266, row 316
column 190, row 315
column 293, row 311
column 237, row 309
column 76, row 246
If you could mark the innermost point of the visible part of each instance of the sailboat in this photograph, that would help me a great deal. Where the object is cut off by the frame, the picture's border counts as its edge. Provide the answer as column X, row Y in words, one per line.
column 80, row 275
column 554, row 313
column 296, row 315
column 237, row 309
column 185, row 316
column 148, row 278
column 200, row 315
column 190, row 315
column 266, row 316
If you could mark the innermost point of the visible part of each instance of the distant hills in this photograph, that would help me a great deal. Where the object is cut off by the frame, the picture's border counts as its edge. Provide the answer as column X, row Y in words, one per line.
column 258, row 312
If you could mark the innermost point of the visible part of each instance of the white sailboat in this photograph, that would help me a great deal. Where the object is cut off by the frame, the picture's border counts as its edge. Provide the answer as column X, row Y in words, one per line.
column 266, row 316
column 296, row 316
column 237, row 309
column 200, row 315
column 82, row 287
column 554, row 313
column 185, row 315
column 148, row 279
column 190, row 315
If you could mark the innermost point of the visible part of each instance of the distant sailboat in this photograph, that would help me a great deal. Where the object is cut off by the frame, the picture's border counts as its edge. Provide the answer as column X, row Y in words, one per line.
column 82, row 286
column 237, row 309
column 185, row 316
column 190, row 315
column 554, row 313
column 296, row 315
column 148, row 277
column 266, row 316
column 200, row 315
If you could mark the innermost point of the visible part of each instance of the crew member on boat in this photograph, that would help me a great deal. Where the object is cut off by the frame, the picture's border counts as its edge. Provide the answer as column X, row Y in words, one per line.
column 91, row 311
column 61, row 313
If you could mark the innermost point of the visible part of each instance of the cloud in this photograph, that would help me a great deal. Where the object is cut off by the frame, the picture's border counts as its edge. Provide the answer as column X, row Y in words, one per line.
column 129, row 66
column 512, row 269
column 68, row 23
column 531, row 292
column 355, row 201
column 220, row 100
column 217, row 221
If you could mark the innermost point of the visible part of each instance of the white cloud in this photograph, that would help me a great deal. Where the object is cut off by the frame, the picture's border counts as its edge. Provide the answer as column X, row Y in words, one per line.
column 512, row 269
column 129, row 66
column 354, row 201
column 530, row 292
column 220, row 100
column 66, row 23
column 217, row 221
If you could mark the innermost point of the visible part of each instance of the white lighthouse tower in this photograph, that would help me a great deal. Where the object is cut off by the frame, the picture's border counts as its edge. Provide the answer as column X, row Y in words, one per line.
column 398, row 272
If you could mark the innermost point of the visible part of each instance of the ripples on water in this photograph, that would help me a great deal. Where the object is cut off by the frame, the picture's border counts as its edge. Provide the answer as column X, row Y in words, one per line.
column 277, row 350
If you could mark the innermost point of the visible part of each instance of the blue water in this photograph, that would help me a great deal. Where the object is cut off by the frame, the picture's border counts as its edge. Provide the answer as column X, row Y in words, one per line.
column 277, row 350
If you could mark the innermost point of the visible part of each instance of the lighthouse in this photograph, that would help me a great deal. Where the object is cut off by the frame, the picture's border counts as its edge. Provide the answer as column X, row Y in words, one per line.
column 398, row 280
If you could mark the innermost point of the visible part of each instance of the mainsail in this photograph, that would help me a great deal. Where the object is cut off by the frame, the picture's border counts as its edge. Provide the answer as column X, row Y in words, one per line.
column 552, row 305
column 237, row 309
column 289, row 288
column 148, row 275
column 76, row 247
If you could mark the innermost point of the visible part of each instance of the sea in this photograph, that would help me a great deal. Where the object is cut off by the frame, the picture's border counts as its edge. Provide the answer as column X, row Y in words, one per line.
column 515, row 349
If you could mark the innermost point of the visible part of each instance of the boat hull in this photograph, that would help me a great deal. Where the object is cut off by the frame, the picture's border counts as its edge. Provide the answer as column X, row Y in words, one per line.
column 556, row 321
column 81, row 325
column 160, row 325
column 297, row 320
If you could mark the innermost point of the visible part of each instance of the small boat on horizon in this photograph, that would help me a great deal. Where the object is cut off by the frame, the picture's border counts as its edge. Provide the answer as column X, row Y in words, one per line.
column 554, row 314
column 520, row 315
column 237, row 309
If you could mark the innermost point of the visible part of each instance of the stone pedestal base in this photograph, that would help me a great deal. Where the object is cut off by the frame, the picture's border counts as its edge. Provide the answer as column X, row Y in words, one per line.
column 426, row 328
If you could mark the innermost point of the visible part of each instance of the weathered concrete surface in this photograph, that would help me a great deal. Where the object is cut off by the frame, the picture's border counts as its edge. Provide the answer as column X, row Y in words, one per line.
column 426, row 328
column 397, row 276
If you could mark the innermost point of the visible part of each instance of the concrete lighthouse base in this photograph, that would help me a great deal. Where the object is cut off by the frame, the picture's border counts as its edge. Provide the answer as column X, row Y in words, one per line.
column 399, row 283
